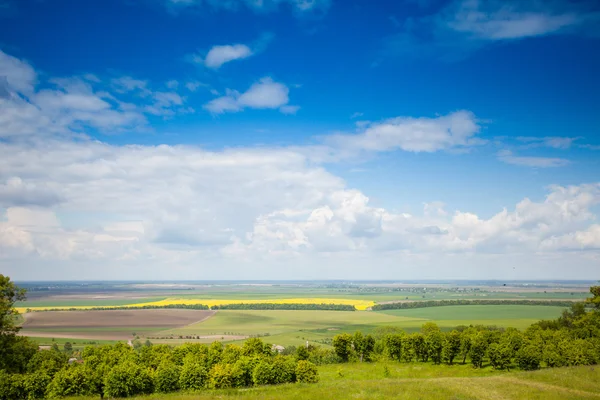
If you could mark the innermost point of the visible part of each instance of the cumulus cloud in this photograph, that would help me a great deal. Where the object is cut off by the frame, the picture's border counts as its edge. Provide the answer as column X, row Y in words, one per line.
column 537, row 162
column 222, row 54
column 98, row 208
column 455, row 130
column 69, row 106
column 264, row 94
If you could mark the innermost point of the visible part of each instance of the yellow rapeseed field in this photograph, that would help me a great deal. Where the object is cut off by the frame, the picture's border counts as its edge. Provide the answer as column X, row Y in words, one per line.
column 358, row 304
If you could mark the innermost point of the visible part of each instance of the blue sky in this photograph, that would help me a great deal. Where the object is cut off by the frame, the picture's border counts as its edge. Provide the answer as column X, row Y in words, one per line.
column 285, row 138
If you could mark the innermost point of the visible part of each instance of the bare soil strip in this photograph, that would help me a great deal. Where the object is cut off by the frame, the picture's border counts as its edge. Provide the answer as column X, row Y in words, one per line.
column 111, row 324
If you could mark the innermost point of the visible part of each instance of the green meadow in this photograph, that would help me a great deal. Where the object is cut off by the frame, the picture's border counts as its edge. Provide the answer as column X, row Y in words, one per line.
column 412, row 381
column 319, row 327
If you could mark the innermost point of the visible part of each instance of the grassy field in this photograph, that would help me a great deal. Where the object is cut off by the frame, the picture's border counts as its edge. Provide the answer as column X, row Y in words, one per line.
column 368, row 381
column 318, row 327
column 480, row 313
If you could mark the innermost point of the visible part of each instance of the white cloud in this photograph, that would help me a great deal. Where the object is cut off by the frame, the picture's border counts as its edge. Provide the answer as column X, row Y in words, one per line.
column 172, row 84
column 455, row 130
column 264, row 94
column 554, row 142
column 126, row 84
column 18, row 74
column 219, row 55
column 289, row 109
column 499, row 20
column 67, row 106
column 538, row 162
column 222, row 54
column 192, row 86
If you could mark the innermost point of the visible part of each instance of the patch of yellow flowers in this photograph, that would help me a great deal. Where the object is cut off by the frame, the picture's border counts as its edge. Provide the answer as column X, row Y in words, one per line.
column 358, row 304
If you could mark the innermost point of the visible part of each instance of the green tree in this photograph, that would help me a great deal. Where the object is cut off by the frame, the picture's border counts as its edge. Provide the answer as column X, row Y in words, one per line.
column 221, row 376
column 595, row 299
column 478, row 349
column 70, row 381
column 342, row 345
column 9, row 294
column 306, row 372
column 128, row 379
column 193, row 376
column 68, row 348
column 499, row 355
column 49, row 361
column 35, row 384
column 264, row 373
column 528, row 358
column 166, row 377
column 451, row 346
column 302, row 353
column 15, row 351
column 393, row 346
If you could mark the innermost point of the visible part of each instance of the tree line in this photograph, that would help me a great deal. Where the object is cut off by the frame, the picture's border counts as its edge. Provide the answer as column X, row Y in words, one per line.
column 285, row 306
column 235, row 306
column 462, row 302
column 572, row 339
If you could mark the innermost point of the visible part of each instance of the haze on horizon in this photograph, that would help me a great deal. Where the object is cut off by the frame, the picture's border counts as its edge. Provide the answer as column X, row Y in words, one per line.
column 299, row 139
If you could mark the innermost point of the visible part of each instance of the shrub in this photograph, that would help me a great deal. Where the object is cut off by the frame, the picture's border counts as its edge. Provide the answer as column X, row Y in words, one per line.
column 11, row 386
column 126, row 380
column 263, row 373
column 221, row 376
column 528, row 358
column 166, row 377
column 193, row 376
column 35, row 384
column 499, row 355
column 70, row 381
column 284, row 370
column 306, row 372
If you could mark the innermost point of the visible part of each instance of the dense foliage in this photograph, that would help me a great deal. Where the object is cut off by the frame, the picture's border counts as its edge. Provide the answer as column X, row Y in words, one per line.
column 573, row 339
column 438, row 303
column 122, row 371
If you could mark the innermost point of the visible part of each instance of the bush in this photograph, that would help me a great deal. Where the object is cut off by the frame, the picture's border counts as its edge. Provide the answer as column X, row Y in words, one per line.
column 35, row 385
column 284, row 370
column 306, row 372
column 263, row 373
column 166, row 377
column 528, row 358
column 193, row 376
column 70, row 381
column 126, row 380
column 499, row 355
column 221, row 376
column 11, row 386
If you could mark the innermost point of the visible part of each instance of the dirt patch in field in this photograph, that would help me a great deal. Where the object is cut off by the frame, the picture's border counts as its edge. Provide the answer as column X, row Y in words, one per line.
column 110, row 324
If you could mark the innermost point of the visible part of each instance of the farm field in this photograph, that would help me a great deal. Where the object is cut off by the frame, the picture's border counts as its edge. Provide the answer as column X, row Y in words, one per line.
column 367, row 381
column 319, row 327
column 115, row 324
column 284, row 327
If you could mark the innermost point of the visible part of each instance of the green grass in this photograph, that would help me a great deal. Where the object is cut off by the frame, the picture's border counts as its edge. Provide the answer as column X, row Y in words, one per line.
column 480, row 312
column 85, row 302
column 252, row 322
column 296, row 327
column 367, row 381
column 78, row 344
